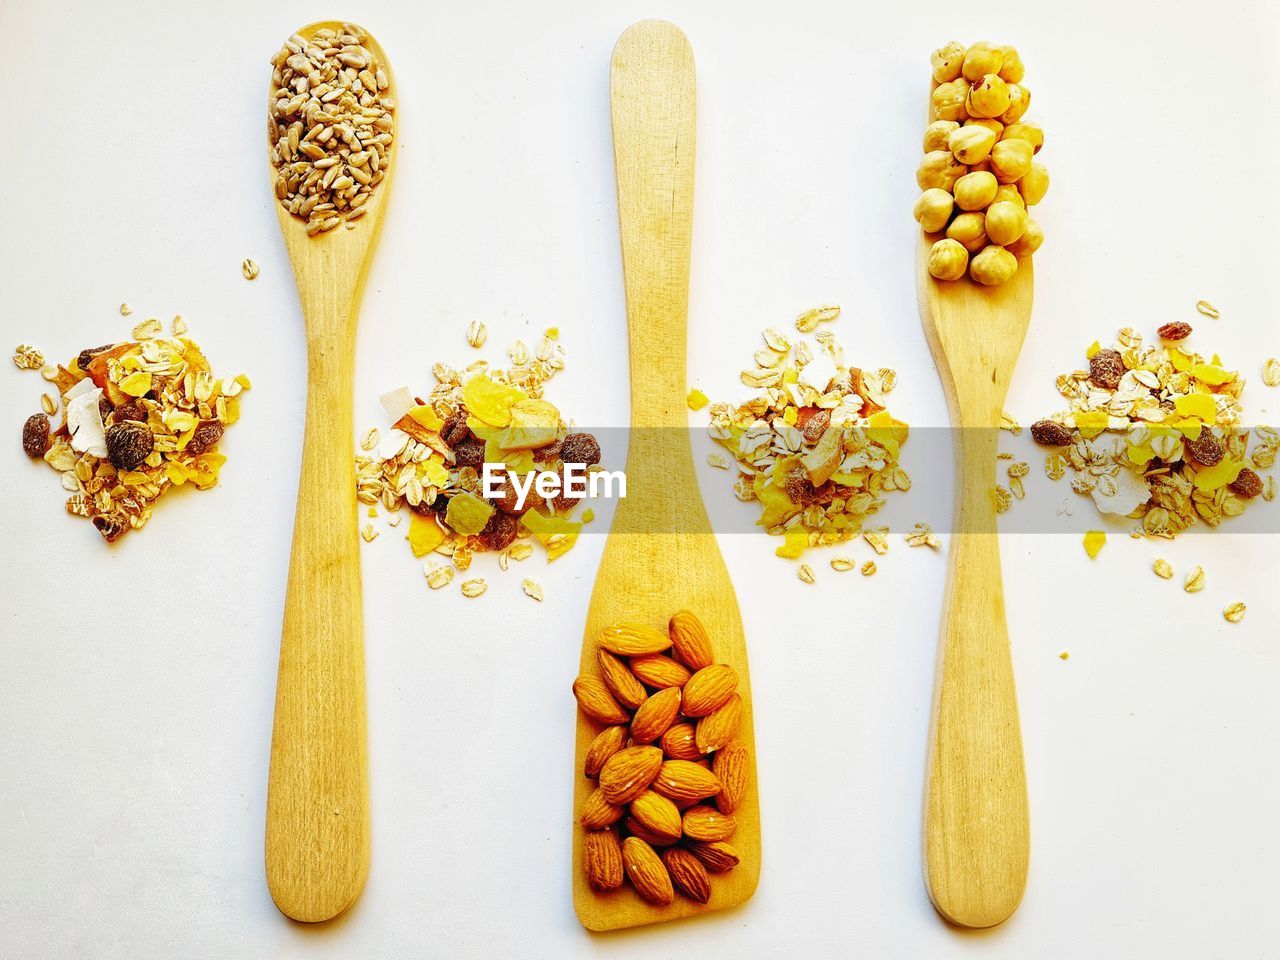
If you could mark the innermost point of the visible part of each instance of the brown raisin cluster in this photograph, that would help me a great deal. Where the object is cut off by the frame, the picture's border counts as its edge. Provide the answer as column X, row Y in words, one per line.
column 1106, row 367
column 1048, row 433
column 1174, row 331
column 35, row 436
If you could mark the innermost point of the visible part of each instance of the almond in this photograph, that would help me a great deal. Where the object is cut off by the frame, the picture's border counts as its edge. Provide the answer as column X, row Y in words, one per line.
column 655, row 715
column 685, row 780
column 708, row 823
column 658, row 671
column 678, row 742
column 688, row 874
column 717, row 729
column 647, row 874
column 628, row 773
column 717, row 856
column 709, row 689
column 633, row 640
column 689, row 639
column 637, row 829
column 598, row 813
column 730, row 768
column 628, row 691
column 658, row 815
column 602, row 859
column 607, row 742
column 595, row 700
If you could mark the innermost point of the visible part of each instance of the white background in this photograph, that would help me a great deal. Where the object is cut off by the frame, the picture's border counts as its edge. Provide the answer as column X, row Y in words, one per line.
column 137, row 682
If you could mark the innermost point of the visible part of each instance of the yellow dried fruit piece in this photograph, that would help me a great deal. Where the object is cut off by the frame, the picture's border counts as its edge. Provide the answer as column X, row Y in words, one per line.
column 557, row 534
column 1092, row 349
column 794, row 543
column 533, row 424
column 1090, row 423
column 136, row 384
column 1141, row 455
column 1197, row 405
column 778, row 507
column 698, row 399
column 1212, row 374
column 491, row 402
column 424, row 535
column 886, row 431
column 426, row 417
column 1217, row 476
column 467, row 514
column 1093, row 541
column 435, row 472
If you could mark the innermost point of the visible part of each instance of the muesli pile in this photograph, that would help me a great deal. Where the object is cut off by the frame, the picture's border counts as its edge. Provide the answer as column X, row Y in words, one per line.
column 431, row 460
column 139, row 417
column 816, row 448
column 669, row 768
column 1155, row 432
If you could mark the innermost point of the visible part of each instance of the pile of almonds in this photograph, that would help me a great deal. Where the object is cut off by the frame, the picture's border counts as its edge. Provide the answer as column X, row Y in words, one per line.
column 669, row 769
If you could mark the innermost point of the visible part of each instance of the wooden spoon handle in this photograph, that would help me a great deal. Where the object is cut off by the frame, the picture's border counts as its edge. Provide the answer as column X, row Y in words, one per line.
column 317, row 841
column 976, row 823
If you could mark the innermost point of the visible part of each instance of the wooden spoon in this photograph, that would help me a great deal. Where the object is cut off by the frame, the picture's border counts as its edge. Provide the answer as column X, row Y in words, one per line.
column 976, row 834
column 661, row 555
column 317, row 838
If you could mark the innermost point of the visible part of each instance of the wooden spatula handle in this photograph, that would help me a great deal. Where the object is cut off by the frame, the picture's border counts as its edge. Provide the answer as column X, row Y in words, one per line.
column 976, row 823
column 317, row 841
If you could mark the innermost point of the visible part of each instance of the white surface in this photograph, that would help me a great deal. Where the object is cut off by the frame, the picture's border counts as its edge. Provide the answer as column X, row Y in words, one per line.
column 136, row 683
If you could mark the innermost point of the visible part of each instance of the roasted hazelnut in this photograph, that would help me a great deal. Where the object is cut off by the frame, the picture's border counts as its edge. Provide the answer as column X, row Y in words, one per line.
column 970, row 230
column 1025, row 130
column 1034, row 184
column 1019, row 101
column 1011, row 68
column 947, row 61
column 995, row 126
column 947, row 100
column 1005, row 222
column 971, row 145
column 948, row 260
column 993, row 266
column 933, row 209
column 976, row 190
column 35, row 436
column 988, row 97
column 937, row 134
column 128, row 444
column 1106, row 367
column 1011, row 159
column 1029, row 242
column 980, row 59
column 939, row 169
column 1008, row 191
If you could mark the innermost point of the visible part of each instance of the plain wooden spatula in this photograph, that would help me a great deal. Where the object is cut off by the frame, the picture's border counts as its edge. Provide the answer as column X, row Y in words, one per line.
column 317, row 839
column 976, row 833
column 661, row 555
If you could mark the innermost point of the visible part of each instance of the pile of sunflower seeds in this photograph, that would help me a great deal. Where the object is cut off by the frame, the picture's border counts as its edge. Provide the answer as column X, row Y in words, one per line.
column 330, row 126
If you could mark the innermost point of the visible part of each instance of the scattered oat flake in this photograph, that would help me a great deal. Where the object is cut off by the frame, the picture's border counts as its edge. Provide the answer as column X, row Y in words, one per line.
column 473, row 588
column 369, row 533
column 125, row 309
column 718, row 461
column 49, row 372
column 1195, row 580
column 179, row 326
column 477, row 333
column 1008, row 422
column 370, row 439
column 1002, row 498
column 1208, row 309
column 437, row 576
column 808, row 321
column 1234, row 612
column 1271, row 372
column 249, row 269
column 1163, row 569
column 532, row 588
column 842, row 563
column 923, row 536
column 805, row 573
column 27, row 357
column 869, row 568
column 147, row 329
column 1093, row 541
column 878, row 539
column 697, row 399
column 394, row 519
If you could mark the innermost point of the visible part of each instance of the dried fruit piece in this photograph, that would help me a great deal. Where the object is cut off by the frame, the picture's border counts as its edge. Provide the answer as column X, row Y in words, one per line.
column 1106, row 367
column 128, row 444
column 718, row 728
column 1048, row 433
column 657, row 670
column 709, row 689
column 112, row 526
column 500, row 532
column 679, row 743
column 628, row 773
column 598, row 813
column 681, row 780
column 1234, row 612
column 717, row 856
column 707, row 823
column 1195, row 580
column 630, row 640
column 207, row 434
column 730, row 767
column 689, row 641
column 658, row 815
column 607, row 742
column 1246, row 485
column 688, row 874
column 655, row 715
column 621, row 682
column 1206, row 450
column 594, row 698
column 602, row 860
column 1093, row 541
column 1174, row 331
column 580, row 448
column 35, row 436
column 646, row 872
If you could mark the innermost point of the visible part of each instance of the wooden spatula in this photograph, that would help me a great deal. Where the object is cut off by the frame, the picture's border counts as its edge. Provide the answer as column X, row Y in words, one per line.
column 661, row 555
column 976, row 835
column 317, row 840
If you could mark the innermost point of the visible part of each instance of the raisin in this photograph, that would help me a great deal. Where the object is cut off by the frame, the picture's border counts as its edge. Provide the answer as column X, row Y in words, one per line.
column 548, row 454
column 128, row 444
column 130, row 411
column 1050, row 434
column 500, row 532
column 35, row 436
column 1106, row 367
column 207, row 434
column 1206, row 450
column 87, row 355
column 1174, row 331
column 112, row 526
column 580, row 448
column 104, row 407
column 802, row 491
column 564, row 500
column 469, row 453
column 158, row 385
column 509, row 499
column 455, row 428
column 1247, row 484
column 815, row 426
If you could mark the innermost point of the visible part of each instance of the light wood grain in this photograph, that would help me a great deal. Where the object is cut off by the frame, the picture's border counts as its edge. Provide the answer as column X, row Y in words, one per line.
column 976, row 833
column 317, row 836
column 661, row 555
